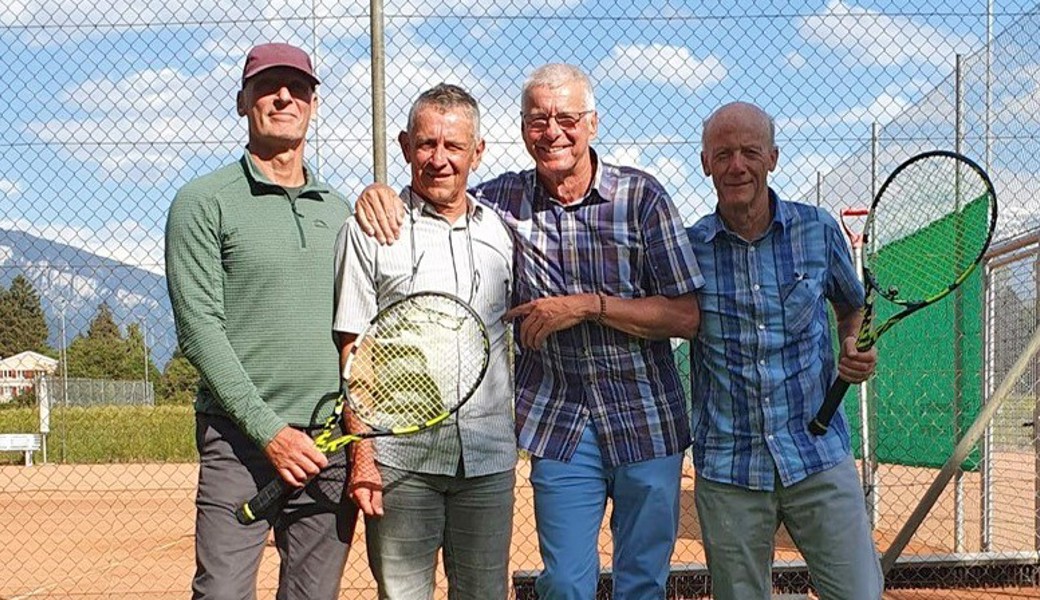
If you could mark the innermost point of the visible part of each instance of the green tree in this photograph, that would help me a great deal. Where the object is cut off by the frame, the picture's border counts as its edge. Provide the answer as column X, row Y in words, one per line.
column 104, row 324
column 24, row 323
column 179, row 381
column 103, row 353
column 137, row 350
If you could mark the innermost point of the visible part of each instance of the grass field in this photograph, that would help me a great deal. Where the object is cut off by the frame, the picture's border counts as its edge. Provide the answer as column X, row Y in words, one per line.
column 121, row 434
column 109, row 434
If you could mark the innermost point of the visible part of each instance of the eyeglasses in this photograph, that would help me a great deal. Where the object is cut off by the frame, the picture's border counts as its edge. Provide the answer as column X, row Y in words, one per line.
column 540, row 122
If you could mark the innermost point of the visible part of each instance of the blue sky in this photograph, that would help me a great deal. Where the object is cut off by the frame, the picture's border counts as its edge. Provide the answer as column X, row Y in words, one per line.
column 113, row 105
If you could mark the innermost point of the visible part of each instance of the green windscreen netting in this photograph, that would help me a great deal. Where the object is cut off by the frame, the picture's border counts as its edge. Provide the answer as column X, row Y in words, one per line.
column 929, row 387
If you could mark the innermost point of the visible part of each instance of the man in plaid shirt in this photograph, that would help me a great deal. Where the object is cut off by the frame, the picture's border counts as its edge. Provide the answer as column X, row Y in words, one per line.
column 762, row 362
column 604, row 277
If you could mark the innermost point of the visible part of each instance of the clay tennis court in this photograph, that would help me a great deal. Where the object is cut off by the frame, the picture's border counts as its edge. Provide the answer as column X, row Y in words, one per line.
column 125, row 531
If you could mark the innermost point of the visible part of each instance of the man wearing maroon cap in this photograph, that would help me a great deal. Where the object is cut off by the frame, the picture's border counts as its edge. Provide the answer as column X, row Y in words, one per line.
column 249, row 265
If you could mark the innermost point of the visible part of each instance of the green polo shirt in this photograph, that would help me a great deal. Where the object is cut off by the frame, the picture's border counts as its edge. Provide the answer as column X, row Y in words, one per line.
column 250, row 274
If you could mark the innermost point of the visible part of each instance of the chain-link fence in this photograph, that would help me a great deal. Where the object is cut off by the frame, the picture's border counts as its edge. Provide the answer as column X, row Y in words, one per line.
column 111, row 107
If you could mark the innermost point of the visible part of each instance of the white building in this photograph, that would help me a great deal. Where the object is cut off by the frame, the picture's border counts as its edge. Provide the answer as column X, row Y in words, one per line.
column 18, row 373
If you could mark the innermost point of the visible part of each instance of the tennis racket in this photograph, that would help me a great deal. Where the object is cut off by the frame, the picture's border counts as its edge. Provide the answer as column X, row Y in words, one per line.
column 416, row 363
column 928, row 228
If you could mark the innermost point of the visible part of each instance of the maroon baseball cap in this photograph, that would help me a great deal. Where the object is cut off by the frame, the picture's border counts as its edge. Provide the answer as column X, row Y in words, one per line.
column 267, row 56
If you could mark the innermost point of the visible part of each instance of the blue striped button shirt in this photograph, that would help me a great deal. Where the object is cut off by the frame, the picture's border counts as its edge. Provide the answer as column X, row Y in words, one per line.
column 763, row 359
column 625, row 239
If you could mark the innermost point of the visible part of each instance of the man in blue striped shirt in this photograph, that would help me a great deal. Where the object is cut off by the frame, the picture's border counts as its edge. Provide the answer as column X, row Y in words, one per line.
column 762, row 362
column 604, row 277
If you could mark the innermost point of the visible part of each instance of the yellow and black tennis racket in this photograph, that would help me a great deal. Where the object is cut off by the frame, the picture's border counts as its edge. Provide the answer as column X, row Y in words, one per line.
column 928, row 228
column 417, row 362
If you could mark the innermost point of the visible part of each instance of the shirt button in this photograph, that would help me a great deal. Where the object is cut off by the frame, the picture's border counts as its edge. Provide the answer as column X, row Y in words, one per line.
column 766, row 399
column 762, row 361
column 751, row 248
column 756, row 287
column 769, row 437
column 761, row 326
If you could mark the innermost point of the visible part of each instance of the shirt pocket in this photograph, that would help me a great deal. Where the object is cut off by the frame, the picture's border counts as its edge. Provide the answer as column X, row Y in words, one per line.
column 617, row 264
column 801, row 300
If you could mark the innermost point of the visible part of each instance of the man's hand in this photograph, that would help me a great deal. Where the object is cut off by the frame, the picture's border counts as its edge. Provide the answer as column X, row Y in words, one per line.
column 294, row 456
column 855, row 366
column 545, row 316
column 379, row 212
column 366, row 484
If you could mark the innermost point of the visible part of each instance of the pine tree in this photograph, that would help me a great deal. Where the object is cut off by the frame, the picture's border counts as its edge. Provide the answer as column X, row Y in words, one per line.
column 24, row 323
column 179, row 381
column 103, row 353
column 135, row 359
column 104, row 324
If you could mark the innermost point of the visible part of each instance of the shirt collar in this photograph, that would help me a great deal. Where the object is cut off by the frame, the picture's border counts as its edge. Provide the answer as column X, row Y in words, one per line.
column 604, row 184
column 419, row 207
column 257, row 178
column 781, row 218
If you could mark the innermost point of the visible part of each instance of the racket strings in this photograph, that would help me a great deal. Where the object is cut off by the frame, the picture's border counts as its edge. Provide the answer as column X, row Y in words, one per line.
column 416, row 365
column 928, row 229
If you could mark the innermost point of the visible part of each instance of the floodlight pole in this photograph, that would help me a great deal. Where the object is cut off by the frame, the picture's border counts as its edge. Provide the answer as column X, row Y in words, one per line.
column 958, row 318
column 316, row 117
column 378, row 93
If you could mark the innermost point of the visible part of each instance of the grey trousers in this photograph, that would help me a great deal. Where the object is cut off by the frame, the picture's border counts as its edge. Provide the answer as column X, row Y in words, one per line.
column 826, row 516
column 312, row 532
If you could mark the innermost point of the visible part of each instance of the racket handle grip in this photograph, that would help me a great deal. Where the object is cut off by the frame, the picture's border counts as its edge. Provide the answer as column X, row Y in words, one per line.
column 819, row 424
column 263, row 502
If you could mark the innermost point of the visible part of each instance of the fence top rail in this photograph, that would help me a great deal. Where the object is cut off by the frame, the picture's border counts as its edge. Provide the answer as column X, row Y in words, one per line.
column 1005, row 247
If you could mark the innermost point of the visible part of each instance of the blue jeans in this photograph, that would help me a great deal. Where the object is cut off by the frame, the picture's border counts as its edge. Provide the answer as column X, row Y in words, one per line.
column 569, row 501
column 471, row 518
column 826, row 517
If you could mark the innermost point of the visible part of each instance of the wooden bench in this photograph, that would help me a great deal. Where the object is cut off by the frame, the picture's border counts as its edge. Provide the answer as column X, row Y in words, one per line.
column 21, row 442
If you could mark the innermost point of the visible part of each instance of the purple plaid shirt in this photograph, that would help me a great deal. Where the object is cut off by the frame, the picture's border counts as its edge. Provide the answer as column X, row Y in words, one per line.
column 625, row 239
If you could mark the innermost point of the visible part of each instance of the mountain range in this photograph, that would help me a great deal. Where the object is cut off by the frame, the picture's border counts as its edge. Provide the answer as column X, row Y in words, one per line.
column 73, row 282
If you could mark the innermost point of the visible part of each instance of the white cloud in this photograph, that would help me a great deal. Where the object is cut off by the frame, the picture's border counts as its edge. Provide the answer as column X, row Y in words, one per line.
column 414, row 72
column 156, row 93
column 795, row 60
column 147, row 125
column 882, row 109
column 335, row 17
column 659, row 64
column 152, row 150
column 683, row 181
column 795, row 176
column 113, row 12
column 10, row 188
column 1016, row 195
column 873, row 38
column 1025, row 105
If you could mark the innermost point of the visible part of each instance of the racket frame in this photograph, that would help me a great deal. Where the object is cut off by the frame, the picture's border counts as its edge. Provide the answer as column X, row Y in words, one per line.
column 868, row 334
column 275, row 493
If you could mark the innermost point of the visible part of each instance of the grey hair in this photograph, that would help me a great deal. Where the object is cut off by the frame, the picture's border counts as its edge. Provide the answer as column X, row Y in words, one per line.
column 554, row 75
column 762, row 113
column 444, row 97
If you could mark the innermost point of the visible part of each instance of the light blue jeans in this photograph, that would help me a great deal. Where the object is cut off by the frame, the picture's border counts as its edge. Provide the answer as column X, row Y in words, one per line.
column 471, row 518
column 569, row 501
column 826, row 516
